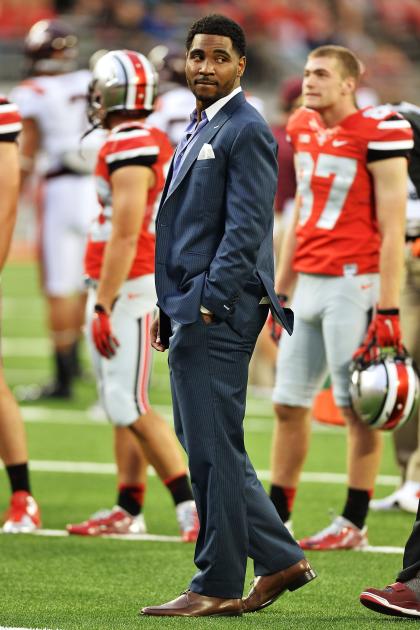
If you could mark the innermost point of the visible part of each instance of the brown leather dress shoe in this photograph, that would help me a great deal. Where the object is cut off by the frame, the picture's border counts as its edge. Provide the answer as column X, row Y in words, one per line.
column 191, row 604
column 267, row 588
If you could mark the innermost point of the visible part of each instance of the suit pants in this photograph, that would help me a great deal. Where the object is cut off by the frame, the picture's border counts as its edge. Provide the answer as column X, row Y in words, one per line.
column 411, row 561
column 209, row 371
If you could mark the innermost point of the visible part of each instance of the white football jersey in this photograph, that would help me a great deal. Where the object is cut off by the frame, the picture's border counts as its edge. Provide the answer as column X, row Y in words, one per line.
column 172, row 113
column 58, row 104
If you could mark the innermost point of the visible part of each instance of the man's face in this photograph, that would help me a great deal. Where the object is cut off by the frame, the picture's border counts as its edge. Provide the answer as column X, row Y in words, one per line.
column 213, row 68
column 323, row 84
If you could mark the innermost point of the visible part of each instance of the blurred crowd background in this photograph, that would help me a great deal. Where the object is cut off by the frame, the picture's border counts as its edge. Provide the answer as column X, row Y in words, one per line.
column 384, row 33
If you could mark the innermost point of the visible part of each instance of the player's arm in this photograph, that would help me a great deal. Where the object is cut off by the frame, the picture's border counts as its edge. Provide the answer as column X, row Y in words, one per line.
column 390, row 189
column 130, row 185
column 29, row 145
column 285, row 275
column 9, row 187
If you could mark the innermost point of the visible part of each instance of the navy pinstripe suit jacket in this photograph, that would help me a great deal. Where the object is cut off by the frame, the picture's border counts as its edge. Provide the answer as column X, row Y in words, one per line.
column 214, row 226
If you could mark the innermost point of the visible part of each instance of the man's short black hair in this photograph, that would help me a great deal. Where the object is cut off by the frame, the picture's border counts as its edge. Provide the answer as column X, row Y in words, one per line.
column 218, row 25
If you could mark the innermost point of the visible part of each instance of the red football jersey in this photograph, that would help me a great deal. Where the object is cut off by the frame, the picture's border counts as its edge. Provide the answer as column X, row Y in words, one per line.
column 132, row 143
column 10, row 121
column 337, row 232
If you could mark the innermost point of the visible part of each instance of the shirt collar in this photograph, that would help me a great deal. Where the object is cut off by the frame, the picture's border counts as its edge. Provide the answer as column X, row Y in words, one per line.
column 212, row 110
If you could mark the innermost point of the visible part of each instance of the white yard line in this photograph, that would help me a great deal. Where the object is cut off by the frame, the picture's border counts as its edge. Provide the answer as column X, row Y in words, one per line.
column 110, row 469
column 62, row 533
column 379, row 549
column 48, row 415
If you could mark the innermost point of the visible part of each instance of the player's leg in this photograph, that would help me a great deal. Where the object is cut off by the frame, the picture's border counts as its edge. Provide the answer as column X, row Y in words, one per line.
column 58, row 262
column 23, row 514
column 124, row 383
column 157, row 439
column 300, row 371
column 344, row 325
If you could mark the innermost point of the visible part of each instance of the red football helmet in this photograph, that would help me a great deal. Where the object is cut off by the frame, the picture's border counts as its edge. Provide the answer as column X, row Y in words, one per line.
column 123, row 80
column 385, row 393
column 44, row 39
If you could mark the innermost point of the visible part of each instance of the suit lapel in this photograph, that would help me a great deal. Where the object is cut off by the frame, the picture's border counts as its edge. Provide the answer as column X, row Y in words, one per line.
column 209, row 131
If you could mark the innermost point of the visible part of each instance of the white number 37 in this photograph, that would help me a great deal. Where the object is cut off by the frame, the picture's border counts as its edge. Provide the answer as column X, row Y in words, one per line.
column 343, row 171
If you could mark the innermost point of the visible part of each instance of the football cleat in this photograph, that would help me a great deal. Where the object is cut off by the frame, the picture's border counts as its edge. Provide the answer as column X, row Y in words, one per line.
column 386, row 504
column 23, row 515
column 187, row 517
column 341, row 534
column 106, row 522
column 397, row 600
column 405, row 498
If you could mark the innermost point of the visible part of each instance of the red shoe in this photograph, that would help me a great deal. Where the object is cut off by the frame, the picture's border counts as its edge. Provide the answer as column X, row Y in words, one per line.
column 396, row 599
column 341, row 534
column 186, row 514
column 23, row 515
column 106, row 522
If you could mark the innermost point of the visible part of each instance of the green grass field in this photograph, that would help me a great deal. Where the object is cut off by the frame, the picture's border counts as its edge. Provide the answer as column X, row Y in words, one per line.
column 97, row 584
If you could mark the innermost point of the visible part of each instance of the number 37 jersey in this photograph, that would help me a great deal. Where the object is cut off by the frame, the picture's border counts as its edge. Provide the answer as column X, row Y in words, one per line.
column 337, row 232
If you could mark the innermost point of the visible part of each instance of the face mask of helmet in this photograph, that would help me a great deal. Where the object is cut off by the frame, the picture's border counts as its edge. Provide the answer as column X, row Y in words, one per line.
column 384, row 394
column 123, row 81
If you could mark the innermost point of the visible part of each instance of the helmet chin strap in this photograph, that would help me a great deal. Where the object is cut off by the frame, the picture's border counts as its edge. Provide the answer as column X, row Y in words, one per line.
column 93, row 127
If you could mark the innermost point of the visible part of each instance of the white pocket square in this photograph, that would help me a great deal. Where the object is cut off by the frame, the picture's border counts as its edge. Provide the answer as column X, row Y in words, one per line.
column 206, row 152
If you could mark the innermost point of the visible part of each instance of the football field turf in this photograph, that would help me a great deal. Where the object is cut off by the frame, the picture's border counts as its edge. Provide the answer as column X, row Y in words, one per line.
column 71, row 583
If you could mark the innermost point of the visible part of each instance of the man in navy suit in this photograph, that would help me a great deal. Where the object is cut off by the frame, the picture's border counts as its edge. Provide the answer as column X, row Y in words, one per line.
column 214, row 278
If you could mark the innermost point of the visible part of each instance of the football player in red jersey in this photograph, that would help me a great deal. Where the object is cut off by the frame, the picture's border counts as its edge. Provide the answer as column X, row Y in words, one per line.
column 344, row 253
column 119, row 263
column 23, row 514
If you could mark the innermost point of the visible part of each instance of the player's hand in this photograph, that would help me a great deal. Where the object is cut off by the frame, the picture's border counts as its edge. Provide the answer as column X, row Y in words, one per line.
column 208, row 318
column 104, row 340
column 273, row 326
column 155, row 336
column 383, row 332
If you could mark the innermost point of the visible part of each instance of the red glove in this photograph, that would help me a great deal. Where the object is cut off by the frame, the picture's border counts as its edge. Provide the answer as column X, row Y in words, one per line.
column 383, row 332
column 103, row 338
column 274, row 327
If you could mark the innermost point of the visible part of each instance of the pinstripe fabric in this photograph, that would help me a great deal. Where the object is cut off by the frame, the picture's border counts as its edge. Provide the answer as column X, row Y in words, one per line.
column 214, row 247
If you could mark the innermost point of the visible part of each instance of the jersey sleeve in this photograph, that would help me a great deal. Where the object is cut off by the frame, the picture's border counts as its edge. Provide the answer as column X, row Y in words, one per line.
column 131, row 147
column 29, row 98
column 389, row 136
column 10, row 121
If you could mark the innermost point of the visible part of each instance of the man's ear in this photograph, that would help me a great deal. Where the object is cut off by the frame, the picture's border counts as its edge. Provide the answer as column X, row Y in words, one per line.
column 349, row 85
column 241, row 66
